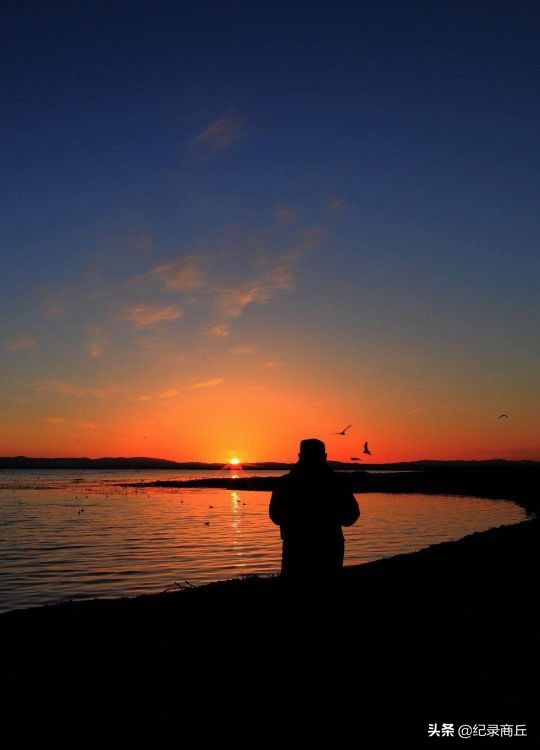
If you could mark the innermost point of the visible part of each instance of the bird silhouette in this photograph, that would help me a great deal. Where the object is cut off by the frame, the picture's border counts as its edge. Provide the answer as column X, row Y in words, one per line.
column 366, row 449
column 343, row 431
column 355, row 458
column 503, row 415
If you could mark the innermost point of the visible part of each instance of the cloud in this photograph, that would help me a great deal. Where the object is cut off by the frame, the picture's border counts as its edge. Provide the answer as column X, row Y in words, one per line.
column 261, row 289
column 53, row 310
column 425, row 409
column 221, row 134
column 170, row 393
column 256, row 387
column 56, row 421
column 97, row 343
column 20, row 343
column 143, row 315
column 208, row 383
column 179, row 274
column 247, row 349
column 86, row 425
column 60, row 386
column 225, row 295
column 96, row 349
column 54, row 385
column 275, row 276
column 284, row 214
column 273, row 363
column 219, row 331
column 337, row 205
column 14, row 399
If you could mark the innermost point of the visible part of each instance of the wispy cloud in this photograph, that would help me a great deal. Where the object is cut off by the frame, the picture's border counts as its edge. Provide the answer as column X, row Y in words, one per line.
column 256, row 387
column 180, row 274
column 20, row 343
column 54, row 385
column 263, row 288
column 52, row 310
column 211, row 284
column 81, row 424
column 57, row 421
column 274, row 277
column 208, row 383
column 96, row 349
column 222, row 133
column 170, row 393
column 143, row 315
column 219, row 331
column 97, row 344
column 425, row 409
column 337, row 205
column 285, row 214
column 243, row 349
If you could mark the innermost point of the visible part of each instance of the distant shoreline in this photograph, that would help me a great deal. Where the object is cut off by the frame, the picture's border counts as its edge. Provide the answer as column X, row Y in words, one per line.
column 512, row 480
column 516, row 483
column 12, row 463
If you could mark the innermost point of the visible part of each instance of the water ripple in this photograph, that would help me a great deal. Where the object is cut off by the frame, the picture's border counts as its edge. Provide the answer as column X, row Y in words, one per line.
column 131, row 542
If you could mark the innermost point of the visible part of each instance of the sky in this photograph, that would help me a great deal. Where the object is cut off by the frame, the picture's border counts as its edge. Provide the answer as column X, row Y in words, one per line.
column 228, row 226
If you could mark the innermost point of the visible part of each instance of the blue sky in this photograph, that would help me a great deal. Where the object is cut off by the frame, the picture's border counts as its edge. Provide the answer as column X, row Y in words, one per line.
column 340, row 188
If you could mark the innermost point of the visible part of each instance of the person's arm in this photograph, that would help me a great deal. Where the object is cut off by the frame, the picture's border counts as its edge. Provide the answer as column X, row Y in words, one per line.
column 277, row 508
column 350, row 510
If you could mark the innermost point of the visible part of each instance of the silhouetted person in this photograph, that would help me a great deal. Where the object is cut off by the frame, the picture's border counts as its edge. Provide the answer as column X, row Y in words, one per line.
column 310, row 505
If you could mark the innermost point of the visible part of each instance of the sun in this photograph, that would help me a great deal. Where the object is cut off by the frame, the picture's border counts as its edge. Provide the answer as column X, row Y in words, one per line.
column 235, row 461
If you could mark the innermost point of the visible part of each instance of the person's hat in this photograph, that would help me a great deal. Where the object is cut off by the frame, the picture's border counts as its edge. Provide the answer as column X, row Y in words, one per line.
column 312, row 449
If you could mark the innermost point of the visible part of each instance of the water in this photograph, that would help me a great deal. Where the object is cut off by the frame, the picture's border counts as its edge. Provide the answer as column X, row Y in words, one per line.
column 132, row 541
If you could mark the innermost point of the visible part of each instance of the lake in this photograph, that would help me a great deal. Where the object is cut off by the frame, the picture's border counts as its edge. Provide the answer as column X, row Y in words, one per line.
column 74, row 535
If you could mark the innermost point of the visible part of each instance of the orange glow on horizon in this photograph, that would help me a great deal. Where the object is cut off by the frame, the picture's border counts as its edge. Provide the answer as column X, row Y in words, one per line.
column 199, row 424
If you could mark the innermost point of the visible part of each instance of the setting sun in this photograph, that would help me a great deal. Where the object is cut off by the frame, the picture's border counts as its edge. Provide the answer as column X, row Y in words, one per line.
column 235, row 461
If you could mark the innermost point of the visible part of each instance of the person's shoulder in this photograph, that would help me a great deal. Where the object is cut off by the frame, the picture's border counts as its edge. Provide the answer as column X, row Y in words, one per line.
column 284, row 479
column 340, row 479
column 289, row 477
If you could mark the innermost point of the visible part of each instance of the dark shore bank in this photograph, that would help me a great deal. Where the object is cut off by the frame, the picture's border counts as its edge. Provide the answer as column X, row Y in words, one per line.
column 517, row 482
column 449, row 628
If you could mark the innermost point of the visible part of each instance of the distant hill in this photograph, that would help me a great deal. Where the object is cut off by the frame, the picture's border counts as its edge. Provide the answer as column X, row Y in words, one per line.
column 141, row 462
column 136, row 462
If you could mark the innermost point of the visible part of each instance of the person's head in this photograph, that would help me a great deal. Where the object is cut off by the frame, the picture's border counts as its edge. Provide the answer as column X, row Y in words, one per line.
column 312, row 452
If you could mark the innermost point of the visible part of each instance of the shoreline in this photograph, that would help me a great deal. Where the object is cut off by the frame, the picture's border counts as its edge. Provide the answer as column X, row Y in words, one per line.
column 453, row 624
column 438, row 554
column 515, row 483
column 506, row 484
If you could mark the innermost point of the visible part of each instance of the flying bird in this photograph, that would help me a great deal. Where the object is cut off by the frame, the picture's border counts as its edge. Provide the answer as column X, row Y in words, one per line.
column 343, row 431
column 355, row 458
column 503, row 415
column 366, row 449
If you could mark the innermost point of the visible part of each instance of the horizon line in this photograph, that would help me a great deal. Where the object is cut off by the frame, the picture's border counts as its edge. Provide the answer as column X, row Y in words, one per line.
column 273, row 461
